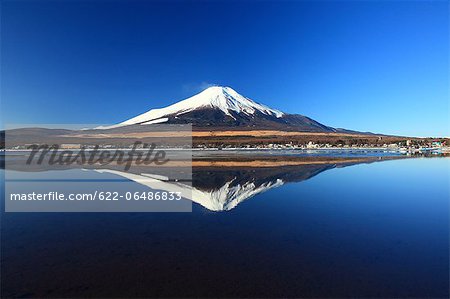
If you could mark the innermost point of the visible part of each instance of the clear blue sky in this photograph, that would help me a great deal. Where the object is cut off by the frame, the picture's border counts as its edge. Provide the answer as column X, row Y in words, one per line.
column 375, row 66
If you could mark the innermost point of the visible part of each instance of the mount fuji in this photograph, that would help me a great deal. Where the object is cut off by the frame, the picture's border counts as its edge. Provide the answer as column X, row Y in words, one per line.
column 223, row 107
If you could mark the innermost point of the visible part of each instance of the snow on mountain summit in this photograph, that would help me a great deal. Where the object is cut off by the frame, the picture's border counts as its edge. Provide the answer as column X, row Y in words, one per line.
column 225, row 99
column 223, row 107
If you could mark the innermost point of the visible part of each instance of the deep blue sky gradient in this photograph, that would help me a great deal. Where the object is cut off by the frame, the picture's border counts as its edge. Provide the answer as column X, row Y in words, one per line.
column 375, row 66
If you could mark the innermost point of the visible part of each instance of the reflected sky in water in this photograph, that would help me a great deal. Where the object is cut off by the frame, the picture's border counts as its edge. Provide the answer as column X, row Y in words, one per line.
column 365, row 230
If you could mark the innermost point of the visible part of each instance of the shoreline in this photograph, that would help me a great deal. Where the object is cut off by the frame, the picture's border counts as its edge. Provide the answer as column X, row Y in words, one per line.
column 215, row 149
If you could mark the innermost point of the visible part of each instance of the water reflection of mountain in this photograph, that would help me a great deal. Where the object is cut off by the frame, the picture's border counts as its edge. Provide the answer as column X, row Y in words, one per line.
column 223, row 188
column 215, row 186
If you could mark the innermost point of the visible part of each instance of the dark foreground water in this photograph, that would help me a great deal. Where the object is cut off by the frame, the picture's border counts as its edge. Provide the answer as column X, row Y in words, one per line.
column 365, row 230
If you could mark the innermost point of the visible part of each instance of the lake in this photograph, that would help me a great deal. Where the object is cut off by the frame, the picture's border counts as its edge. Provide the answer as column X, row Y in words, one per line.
column 362, row 228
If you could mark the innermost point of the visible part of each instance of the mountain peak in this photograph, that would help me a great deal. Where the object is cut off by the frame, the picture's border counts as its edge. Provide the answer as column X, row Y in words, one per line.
column 223, row 98
column 217, row 89
column 222, row 106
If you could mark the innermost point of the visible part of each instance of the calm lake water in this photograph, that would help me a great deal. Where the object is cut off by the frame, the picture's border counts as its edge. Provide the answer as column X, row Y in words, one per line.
column 376, row 229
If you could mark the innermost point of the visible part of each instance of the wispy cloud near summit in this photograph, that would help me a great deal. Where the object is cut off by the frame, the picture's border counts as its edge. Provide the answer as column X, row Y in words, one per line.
column 196, row 87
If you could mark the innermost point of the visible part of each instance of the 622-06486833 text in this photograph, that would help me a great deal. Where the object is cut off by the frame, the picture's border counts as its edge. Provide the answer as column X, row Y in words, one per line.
column 102, row 196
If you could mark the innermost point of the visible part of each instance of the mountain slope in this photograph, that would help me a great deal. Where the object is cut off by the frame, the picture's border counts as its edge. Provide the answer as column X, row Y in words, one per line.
column 223, row 107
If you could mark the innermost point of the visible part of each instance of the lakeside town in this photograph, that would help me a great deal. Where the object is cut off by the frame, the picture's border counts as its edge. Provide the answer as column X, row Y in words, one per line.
column 405, row 147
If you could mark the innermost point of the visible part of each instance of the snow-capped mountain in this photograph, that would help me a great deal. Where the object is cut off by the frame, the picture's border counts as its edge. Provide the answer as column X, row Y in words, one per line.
column 219, row 106
column 224, row 99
